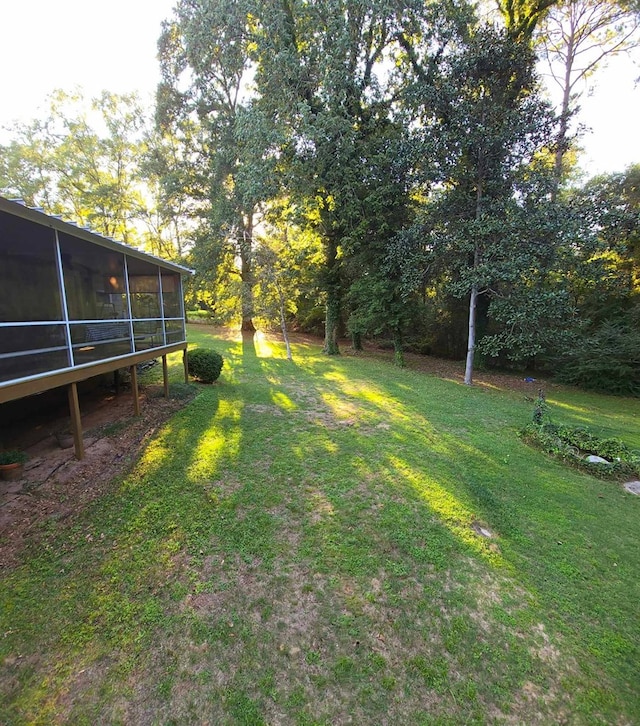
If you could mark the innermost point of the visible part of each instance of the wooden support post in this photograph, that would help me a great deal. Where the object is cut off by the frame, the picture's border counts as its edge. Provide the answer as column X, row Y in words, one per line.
column 76, row 421
column 134, row 390
column 165, row 376
column 185, row 362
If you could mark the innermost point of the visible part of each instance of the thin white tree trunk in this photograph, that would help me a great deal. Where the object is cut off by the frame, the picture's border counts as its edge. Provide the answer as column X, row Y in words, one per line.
column 471, row 344
column 283, row 323
column 473, row 299
column 565, row 114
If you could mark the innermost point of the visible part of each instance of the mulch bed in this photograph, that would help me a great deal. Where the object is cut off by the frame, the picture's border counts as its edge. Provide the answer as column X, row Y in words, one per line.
column 55, row 485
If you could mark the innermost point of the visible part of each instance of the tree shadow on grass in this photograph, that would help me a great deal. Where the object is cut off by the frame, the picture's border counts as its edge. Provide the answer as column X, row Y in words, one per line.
column 274, row 552
column 542, row 522
column 92, row 594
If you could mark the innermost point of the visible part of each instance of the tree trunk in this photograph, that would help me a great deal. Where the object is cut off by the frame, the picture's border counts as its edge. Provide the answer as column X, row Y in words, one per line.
column 471, row 341
column 473, row 299
column 246, row 274
column 332, row 319
column 562, row 144
column 398, row 349
column 331, row 326
column 283, row 322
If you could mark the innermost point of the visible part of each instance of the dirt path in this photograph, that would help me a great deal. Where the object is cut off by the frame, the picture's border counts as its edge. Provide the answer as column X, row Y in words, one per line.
column 454, row 371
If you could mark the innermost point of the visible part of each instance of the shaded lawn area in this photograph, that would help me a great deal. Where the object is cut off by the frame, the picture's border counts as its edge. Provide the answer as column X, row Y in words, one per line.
column 300, row 545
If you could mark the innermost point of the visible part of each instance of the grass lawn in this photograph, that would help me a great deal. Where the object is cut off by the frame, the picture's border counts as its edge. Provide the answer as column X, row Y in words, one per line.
column 301, row 544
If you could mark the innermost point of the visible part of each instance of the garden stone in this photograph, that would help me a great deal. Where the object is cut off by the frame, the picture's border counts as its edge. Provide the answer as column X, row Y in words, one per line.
column 479, row 529
column 597, row 459
column 633, row 487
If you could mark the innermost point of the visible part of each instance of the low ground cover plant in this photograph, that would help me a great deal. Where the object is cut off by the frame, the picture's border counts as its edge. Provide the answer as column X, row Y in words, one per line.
column 575, row 444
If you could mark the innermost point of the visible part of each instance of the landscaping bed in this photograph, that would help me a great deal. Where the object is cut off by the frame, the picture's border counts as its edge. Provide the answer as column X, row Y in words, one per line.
column 580, row 448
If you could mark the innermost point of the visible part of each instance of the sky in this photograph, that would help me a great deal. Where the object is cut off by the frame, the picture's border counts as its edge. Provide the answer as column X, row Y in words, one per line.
column 67, row 44
column 64, row 44
column 611, row 112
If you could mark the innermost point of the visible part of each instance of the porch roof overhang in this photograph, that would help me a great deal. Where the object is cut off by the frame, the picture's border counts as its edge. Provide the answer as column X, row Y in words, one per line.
column 18, row 208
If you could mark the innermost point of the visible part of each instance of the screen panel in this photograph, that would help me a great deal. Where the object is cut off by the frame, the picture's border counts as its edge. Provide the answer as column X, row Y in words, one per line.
column 28, row 350
column 93, row 279
column 28, row 273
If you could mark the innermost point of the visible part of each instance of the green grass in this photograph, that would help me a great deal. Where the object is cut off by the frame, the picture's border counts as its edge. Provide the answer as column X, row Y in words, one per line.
column 298, row 545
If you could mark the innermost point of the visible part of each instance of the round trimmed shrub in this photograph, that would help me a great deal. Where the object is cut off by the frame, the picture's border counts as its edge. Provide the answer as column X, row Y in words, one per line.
column 204, row 365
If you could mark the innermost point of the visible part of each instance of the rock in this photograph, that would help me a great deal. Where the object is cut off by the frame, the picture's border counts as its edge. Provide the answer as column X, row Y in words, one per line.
column 479, row 529
column 597, row 459
column 633, row 487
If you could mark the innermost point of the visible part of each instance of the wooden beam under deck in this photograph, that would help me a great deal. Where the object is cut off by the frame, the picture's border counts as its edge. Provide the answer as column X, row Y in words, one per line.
column 134, row 390
column 76, row 420
column 12, row 391
column 70, row 378
column 165, row 376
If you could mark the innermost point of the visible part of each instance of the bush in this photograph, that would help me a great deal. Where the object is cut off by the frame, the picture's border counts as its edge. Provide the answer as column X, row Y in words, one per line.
column 312, row 322
column 608, row 361
column 204, row 365
column 199, row 316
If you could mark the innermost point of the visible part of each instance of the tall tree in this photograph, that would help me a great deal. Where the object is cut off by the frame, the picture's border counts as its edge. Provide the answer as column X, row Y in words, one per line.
column 576, row 38
column 482, row 121
column 605, row 282
column 377, row 254
column 322, row 77
column 25, row 169
column 286, row 258
column 171, row 170
column 610, row 207
column 82, row 161
column 207, row 67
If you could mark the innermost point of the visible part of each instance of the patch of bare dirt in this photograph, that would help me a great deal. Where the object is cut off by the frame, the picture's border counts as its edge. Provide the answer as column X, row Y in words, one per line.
column 454, row 371
column 55, row 485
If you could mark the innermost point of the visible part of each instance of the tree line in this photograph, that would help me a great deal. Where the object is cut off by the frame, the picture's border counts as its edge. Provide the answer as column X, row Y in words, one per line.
column 368, row 169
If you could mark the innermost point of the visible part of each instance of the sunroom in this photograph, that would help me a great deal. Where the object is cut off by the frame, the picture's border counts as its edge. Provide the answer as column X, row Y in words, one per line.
column 75, row 304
